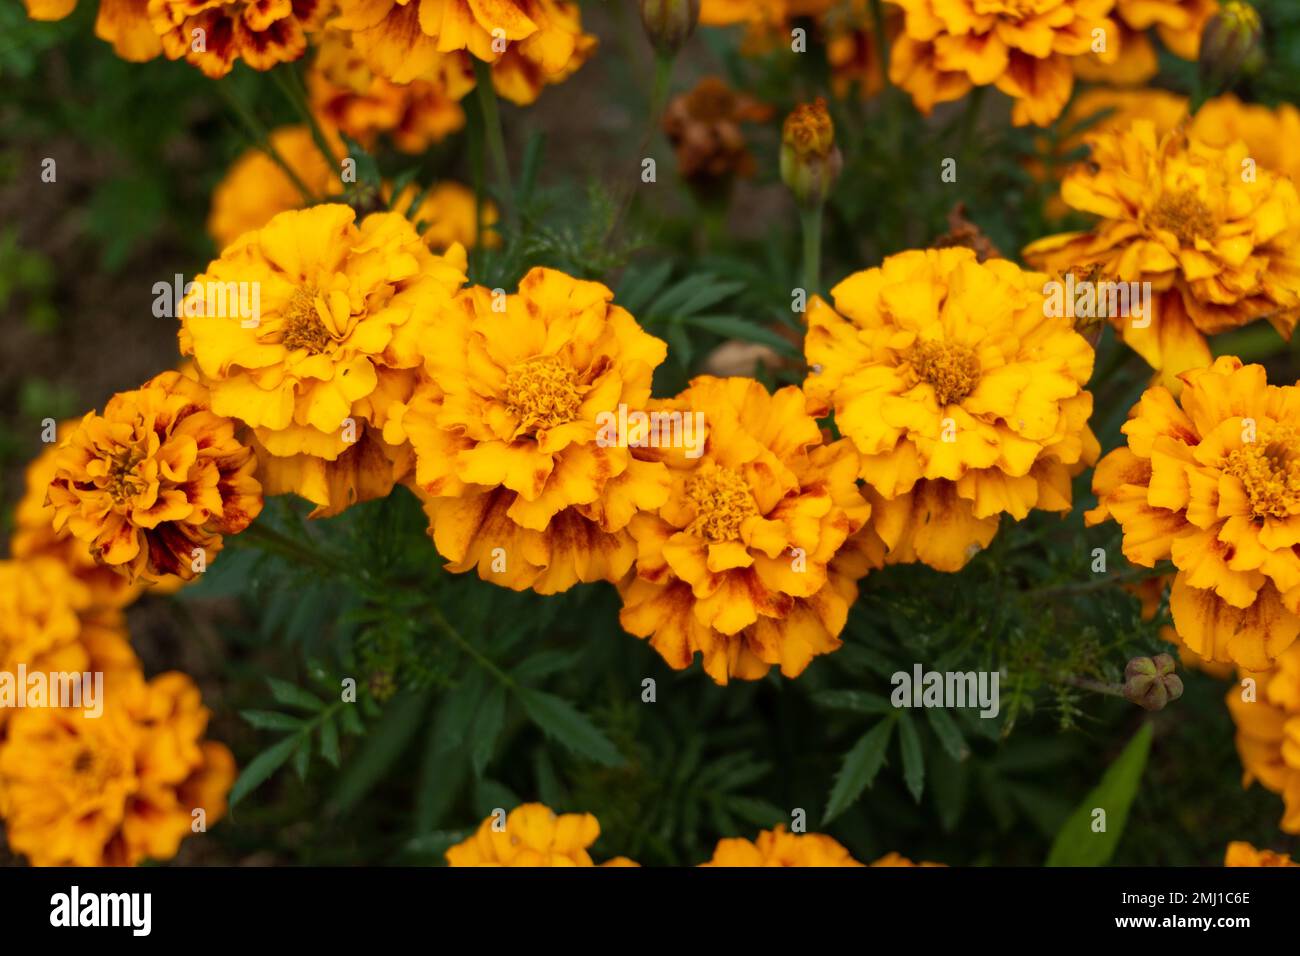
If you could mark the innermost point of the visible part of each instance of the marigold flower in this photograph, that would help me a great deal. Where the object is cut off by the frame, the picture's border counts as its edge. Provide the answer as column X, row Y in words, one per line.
column 155, row 479
column 704, row 127
column 1183, row 216
column 1178, row 23
column 1212, row 481
column 1241, row 853
column 532, row 835
column 1268, row 731
column 531, row 43
column 777, row 847
column 346, row 94
column 1025, row 48
column 518, row 473
column 852, row 51
column 898, row 860
column 123, row 23
column 737, row 564
column 212, row 34
column 810, row 160
column 343, row 307
column 116, row 789
column 963, row 397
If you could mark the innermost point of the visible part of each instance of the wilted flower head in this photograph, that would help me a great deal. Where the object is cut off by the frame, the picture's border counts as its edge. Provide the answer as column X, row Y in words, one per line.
column 153, row 483
column 704, row 126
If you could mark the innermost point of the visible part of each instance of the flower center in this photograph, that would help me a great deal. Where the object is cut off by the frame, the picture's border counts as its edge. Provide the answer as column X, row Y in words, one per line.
column 542, row 392
column 1270, row 470
column 950, row 368
column 122, row 483
column 722, row 503
column 302, row 327
column 1183, row 214
column 91, row 769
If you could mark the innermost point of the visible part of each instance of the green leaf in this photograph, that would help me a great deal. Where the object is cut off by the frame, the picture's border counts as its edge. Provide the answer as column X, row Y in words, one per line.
column 488, row 721
column 913, row 757
column 291, row 695
column 639, row 286
column 383, row 746
column 734, row 327
column 858, row 701
column 262, row 766
column 457, row 710
column 329, row 742
column 302, row 757
column 271, row 720
column 949, row 734
column 860, row 767
column 563, row 722
column 1076, row 843
column 543, row 664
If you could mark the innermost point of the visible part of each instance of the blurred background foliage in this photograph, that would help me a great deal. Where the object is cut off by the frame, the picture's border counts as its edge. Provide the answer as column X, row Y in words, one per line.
column 471, row 697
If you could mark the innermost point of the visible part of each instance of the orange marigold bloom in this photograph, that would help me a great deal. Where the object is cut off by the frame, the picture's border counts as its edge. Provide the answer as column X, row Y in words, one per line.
column 343, row 307
column 116, row 789
column 212, row 34
column 1025, row 48
column 1213, row 482
column 1241, row 853
column 777, row 847
column 530, row 43
column 349, row 96
column 123, row 23
column 156, row 479
column 898, row 860
column 1267, row 714
column 518, row 473
column 852, row 51
column 1179, row 24
column 532, row 835
column 255, row 189
column 737, row 564
column 964, row 397
column 1185, row 217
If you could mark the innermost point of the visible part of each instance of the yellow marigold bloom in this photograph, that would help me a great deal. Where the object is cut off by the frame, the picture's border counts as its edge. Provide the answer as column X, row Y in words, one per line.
column 346, row 94
column 117, row 789
column 737, row 564
column 1241, row 853
column 520, row 476
column 123, row 23
column 1023, row 47
column 446, row 216
column 1271, row 134
column 255, row 188
column 532, row 835
column 1212, row 481
column 259, row 33
column 898, row 860
column 1268, row 731
column 777, row 847
column 1185, row 217
column 342, row 310
column 155, row 479
column 530, row 43
column 852, row 52
column 963, row 396
column 1178, row 23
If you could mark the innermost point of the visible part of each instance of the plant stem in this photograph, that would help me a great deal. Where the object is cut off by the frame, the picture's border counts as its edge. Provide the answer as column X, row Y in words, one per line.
column 281, row 544
column 1096, row 686
column 443, row 625
column 969, row 122
column 810, row 219
column 1102, row 581
column 495, row 136
column 890, row 101
column 260, row 138
column 290, row 84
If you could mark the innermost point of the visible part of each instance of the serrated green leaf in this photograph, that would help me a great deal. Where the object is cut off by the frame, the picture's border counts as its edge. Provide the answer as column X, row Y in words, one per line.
column 734, row 327
column 271, row 720
column 564, row 723
column 291, row 695
column 488, row 720
column 639, row 286
column 861, row 764
column 913, row 756
column 1077, row 844
column 383, row 746
column 949, row 734
column 457, row 711
column 302, row 757
column 262, row 766
column 329, row 742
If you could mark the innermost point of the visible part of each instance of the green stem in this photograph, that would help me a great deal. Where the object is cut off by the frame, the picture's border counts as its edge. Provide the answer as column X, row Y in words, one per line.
column 496, row 140
column 890, row 100
column 260, row 138
column 271, row 540
column 969, row 121
column 1101, row 581
column 1096, row 686
column 290, row 84
column 443, row 625
column 810, row 219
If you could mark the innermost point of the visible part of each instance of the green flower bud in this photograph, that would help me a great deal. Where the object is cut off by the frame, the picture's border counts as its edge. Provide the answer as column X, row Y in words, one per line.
column 810, row 160
column 669, row 23
column 1231, row 42
column 1150, row 682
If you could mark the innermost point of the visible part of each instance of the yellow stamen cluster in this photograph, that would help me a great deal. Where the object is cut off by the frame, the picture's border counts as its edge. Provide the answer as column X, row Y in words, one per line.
column 722, row 502
column 1270, row 471
column 302, row 327
column 952, row 369
column 542, row 393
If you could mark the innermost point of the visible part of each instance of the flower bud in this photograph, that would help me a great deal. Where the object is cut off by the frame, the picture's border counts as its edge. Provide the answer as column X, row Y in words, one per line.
column 1150, row 682
column 1231, row 41
column 669, row 23
column 810, row 160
